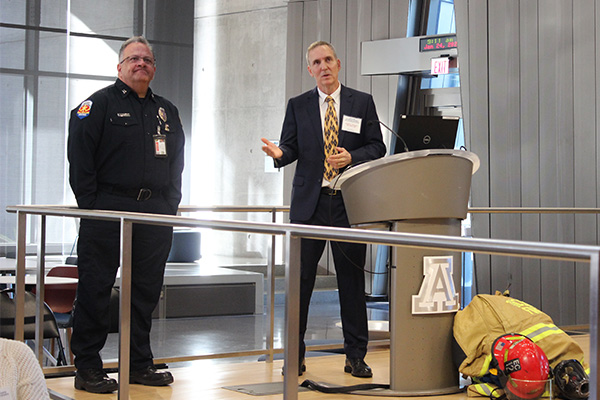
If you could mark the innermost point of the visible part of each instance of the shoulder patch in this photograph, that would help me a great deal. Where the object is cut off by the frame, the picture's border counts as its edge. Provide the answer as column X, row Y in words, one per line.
column 84, row 109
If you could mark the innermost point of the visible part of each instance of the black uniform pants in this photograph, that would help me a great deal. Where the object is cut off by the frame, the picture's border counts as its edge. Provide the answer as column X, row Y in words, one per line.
column 349, row 260
column 98, row 260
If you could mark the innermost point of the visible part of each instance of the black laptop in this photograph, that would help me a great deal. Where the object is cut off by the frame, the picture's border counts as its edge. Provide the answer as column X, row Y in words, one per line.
column 422, row 132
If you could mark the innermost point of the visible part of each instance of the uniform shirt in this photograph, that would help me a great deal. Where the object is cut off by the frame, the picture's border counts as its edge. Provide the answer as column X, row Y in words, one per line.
column 111, row 145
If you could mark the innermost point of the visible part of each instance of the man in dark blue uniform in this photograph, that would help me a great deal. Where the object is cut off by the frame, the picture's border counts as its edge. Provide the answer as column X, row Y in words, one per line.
column 125, row 150
column 327, row 129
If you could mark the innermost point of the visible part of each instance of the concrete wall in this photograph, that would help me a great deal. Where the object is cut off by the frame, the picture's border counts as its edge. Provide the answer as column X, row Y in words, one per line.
column 238, row 97
column 248, row 60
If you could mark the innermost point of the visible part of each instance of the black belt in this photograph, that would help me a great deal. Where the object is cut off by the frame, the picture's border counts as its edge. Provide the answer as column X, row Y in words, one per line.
column 142, row 194
column 329, row 191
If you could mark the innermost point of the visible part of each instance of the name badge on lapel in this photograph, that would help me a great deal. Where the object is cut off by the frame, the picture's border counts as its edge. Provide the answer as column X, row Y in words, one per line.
column 351, row 124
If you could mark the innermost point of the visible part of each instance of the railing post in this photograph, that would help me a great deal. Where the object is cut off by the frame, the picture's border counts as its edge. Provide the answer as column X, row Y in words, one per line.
column 292, row 316
column 271, row 290
column 125, row 309
column 40, row 290
column 20, row 276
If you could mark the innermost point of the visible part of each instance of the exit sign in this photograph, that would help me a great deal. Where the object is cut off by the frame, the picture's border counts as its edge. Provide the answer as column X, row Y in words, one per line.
column 440, row 66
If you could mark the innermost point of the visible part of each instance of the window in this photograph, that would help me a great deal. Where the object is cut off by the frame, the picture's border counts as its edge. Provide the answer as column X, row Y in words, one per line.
column 50, row 59
column 440, row 21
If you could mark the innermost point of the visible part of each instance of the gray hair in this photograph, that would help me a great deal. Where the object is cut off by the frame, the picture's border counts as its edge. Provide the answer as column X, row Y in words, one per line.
column 135, row 39
column 317, row 44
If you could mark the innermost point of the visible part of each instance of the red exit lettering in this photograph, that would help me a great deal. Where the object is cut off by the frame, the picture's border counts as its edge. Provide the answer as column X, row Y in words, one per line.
column 440, row 66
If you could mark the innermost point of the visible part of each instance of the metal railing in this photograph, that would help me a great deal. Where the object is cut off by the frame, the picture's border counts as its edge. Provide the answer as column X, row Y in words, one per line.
column 292, row 234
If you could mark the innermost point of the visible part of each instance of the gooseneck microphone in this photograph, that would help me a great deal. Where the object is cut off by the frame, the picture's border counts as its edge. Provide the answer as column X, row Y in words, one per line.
column 373, row 121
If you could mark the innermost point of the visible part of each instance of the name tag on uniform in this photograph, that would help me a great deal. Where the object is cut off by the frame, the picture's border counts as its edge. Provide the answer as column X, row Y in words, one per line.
column 351, row 124
column 160, row 146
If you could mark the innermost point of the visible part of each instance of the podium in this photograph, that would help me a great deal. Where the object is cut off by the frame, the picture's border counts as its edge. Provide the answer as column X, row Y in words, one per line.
column 426, row 192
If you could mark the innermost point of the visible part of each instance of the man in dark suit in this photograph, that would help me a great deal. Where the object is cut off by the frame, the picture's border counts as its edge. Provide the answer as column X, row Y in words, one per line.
column 327, row 129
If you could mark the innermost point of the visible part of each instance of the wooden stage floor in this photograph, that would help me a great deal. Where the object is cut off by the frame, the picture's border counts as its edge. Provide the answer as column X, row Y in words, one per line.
column 206, row 379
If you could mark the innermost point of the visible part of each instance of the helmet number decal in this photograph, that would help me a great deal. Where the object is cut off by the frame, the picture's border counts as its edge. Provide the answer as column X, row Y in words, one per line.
column 511, row 366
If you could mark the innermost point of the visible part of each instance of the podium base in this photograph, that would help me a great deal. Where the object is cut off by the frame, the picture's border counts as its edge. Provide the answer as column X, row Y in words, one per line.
column 421, row 343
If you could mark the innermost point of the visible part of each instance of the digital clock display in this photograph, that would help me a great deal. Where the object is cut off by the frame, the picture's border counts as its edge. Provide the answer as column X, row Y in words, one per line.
column 438, row 43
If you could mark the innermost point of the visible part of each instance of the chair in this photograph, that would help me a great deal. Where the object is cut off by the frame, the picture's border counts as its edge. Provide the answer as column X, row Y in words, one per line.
column 60, row 299
column 50, row 331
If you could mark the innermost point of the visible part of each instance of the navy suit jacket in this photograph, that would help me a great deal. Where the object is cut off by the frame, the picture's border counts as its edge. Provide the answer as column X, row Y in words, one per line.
column 302, row 140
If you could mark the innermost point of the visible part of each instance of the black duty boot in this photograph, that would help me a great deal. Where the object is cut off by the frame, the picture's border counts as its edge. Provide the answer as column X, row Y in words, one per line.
column 150, row 376
column 95, row 381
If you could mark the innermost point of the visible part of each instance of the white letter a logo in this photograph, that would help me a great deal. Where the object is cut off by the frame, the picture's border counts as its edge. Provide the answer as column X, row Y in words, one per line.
column 437, row 294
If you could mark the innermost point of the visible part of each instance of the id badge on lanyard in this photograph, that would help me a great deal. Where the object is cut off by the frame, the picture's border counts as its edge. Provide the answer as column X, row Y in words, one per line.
column 160, row 140
column 160, row 144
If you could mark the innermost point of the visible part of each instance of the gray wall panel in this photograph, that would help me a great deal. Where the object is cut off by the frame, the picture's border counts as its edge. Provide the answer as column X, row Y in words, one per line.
column 380, row 29
column 324, row 22
column 398, row 23
column 531, row 115
column 504, row 138
column 547, row 65
column 380, row 88
column 584, row 103
column 530, row 159
column 380, row 15
column 398, row 18
column 596, row 77
column 474, row 93
column 312, row 32
column 339, row 27
column 556, row 118
column 359, row 30
column 295, row 66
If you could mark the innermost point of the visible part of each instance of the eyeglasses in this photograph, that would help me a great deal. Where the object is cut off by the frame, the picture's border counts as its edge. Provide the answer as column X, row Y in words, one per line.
column 136, row 59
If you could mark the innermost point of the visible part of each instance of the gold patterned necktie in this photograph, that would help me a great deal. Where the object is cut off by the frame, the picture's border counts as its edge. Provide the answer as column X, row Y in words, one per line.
column 331, row 137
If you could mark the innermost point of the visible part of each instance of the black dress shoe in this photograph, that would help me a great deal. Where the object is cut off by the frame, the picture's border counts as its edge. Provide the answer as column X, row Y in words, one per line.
column 301, row 368
column 150, row 376
column 358, row 367
column 95, row 381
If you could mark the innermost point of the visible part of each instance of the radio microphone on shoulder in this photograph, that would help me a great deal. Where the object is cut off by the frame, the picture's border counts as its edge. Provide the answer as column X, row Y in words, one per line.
column 374, row 121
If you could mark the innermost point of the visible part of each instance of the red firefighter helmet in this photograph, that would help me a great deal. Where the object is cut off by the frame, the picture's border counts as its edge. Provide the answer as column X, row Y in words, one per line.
column 523, row 368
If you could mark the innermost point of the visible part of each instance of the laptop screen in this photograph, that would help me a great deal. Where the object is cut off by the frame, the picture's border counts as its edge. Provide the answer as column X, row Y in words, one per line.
column 422, row 132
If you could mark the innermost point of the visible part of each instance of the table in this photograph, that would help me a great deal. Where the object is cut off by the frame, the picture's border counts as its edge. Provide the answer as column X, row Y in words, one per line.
column 32, row 280
column 9, row 265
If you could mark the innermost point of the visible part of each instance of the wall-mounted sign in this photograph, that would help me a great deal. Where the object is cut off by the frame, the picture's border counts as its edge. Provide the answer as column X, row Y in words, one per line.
column 438, row 43
column 440, row 66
